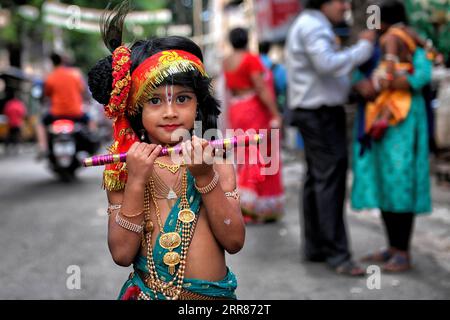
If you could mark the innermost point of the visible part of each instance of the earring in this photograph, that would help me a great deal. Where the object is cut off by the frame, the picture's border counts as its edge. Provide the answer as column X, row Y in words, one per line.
column 142, row 135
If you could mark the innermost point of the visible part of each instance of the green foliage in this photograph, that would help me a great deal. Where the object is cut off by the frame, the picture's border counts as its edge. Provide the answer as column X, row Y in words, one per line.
column 85, row 48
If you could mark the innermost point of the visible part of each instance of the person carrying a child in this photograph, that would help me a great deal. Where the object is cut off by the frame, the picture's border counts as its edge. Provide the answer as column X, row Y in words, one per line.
column 398, row 45
column 392, row 174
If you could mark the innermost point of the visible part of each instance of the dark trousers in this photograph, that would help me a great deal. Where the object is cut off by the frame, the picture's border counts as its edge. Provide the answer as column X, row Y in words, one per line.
column 399, row 227
column 324, row 134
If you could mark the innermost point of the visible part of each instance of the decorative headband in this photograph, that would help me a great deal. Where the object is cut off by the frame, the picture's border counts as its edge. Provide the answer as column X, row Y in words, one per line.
column 129, row 94
column 155, row 69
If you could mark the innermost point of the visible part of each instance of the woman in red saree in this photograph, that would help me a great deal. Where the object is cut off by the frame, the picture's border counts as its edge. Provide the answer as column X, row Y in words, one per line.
column 252, row 106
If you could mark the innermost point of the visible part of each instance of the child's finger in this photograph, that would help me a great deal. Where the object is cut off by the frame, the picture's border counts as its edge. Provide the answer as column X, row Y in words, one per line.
column 204, row 143
column 219, row 153
column 147, row 150
column 133, row 147
column 208, row 155
column 189, row 147
column 185, row 154
column 198, row 151
column 156, row 149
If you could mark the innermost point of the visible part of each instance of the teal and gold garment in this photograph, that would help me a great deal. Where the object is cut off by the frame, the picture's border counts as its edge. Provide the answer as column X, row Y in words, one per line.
column 393, row 175
column 224, row 288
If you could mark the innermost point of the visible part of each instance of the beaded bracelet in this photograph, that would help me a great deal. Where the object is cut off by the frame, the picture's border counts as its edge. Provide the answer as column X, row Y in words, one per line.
column 210, row 187
column 232, row 194
column 112, row 207
column 391, row 57
column 128, row 225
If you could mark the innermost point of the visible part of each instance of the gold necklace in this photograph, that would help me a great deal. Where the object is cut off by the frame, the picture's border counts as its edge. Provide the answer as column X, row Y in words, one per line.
column 171, row 167
column 172, row 240
column 171, row 289
column 171, row 194
column 169, row 240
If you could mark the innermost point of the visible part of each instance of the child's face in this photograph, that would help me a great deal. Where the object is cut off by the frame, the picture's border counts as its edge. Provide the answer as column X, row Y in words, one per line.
column 170, row 107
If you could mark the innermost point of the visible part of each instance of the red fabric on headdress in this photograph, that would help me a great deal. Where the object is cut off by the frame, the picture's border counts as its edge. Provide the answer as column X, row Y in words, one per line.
column 130, row 93
column 115, row 175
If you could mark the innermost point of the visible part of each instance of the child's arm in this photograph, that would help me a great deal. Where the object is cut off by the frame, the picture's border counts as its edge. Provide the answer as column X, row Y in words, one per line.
column 123, row 243
column 224, row 213
column 390, row 57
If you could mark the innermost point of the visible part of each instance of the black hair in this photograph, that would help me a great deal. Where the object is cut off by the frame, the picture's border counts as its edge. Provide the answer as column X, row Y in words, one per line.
column 239, row 38
column 316, row 4
column 56, row 59
column 392, row 12
column 264, row 47
column 100, row 76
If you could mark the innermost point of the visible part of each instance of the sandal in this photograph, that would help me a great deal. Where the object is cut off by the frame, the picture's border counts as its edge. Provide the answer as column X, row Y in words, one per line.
column 398, row 263
column 349, row 268
column 382, row 255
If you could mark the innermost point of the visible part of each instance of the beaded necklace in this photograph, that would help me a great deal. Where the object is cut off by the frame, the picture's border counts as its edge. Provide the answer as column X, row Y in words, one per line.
column 163, row 191
column 186, row 223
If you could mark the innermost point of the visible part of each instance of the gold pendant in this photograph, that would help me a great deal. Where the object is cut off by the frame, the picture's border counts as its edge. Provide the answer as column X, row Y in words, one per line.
column 170, row 240
column 186, row 215
column 171, row 259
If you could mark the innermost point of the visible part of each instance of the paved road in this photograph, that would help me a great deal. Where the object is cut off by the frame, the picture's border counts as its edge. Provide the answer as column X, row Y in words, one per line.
column 47, row 226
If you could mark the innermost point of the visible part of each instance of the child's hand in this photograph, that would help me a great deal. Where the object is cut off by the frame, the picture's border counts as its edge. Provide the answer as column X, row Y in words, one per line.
column 198, row 156
column 140, row 159
column 385, row 84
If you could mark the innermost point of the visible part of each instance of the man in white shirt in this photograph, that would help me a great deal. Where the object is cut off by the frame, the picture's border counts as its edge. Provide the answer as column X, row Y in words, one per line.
column 319, row 84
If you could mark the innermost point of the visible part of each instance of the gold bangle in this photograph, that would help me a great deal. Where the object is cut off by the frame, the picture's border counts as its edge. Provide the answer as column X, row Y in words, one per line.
column 132, row 215
column 210, row 187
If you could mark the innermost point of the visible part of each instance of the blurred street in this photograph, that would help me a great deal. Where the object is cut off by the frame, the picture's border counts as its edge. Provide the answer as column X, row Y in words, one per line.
column 47, row 226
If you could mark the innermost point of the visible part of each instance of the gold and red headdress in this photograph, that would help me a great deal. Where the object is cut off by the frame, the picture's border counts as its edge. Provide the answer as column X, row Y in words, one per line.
column 129, row 94
column 155, row 69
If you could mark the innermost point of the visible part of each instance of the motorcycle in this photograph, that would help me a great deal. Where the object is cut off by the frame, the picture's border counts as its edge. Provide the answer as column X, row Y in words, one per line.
column 70, row 143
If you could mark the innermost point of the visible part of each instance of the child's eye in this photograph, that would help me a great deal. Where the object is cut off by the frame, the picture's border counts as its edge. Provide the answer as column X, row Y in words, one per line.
column 154, row 101
column 183, row 99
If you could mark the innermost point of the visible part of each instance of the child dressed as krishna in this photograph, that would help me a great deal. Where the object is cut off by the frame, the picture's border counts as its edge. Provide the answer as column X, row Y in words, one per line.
column 173, row 220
